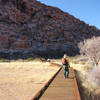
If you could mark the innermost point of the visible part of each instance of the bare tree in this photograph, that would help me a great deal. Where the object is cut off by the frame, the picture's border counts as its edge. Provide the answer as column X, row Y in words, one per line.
column 91, row 48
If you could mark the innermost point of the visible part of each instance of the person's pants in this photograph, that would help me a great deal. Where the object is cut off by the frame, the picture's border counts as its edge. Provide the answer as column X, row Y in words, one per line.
column 66, row 71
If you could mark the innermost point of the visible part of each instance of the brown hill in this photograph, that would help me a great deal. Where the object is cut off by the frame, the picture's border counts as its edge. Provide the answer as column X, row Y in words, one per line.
column 28, row 27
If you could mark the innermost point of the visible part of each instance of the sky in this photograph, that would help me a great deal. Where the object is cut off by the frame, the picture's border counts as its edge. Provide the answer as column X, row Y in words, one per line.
column 86, row 10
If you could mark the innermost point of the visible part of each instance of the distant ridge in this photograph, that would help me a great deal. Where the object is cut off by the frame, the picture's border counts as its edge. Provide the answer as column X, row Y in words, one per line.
column 29, row 28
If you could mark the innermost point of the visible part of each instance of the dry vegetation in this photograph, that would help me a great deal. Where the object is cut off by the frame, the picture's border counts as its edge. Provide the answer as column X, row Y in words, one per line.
column 88, row 78
column 21, row 80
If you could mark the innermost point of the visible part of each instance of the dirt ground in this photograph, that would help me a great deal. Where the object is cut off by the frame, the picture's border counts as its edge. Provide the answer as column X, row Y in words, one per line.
column 21, row 80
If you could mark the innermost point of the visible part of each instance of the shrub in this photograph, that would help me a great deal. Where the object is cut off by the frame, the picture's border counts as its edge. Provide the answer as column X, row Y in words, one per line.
column 94, row 76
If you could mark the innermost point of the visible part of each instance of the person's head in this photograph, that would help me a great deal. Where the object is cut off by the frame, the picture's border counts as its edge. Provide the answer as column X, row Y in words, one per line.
column 65, row 56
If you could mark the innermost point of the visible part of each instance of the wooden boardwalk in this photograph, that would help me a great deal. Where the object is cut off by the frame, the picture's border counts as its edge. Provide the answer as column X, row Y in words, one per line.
column 61, row 88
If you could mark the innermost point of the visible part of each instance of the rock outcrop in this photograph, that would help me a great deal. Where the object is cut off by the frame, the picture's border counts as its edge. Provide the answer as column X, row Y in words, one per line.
column 28, row 27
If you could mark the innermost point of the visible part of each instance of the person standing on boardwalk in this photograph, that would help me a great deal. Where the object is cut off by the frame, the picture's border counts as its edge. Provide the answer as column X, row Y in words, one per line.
column 66, row 65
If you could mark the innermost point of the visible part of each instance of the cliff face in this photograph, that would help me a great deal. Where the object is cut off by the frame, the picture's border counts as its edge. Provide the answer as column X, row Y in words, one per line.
column 28, row 27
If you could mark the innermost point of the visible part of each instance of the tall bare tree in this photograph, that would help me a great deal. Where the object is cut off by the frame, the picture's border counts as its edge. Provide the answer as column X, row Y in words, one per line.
column 91, row 48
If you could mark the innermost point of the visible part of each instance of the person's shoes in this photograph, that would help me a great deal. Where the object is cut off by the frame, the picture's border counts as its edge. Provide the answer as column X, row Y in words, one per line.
column 65, row 76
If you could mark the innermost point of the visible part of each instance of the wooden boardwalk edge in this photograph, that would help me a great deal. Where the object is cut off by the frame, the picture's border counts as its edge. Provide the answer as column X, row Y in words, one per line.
column 77, row 89
column 76, row 86
column 45, row 86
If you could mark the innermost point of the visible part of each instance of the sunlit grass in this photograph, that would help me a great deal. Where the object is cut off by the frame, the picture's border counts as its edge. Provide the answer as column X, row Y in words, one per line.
column 88, row 90
column 34, row 73
column 20, row 80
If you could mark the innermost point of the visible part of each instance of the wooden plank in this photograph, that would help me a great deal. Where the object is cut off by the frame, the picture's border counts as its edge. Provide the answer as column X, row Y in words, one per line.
column 39, row 93
column 62, row 89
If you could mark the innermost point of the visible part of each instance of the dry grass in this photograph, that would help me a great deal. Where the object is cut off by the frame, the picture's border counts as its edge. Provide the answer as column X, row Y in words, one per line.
column 21, row 80
column 88, row 90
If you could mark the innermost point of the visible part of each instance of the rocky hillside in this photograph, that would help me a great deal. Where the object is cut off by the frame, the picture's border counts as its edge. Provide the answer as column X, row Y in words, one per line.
column 28, row 28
